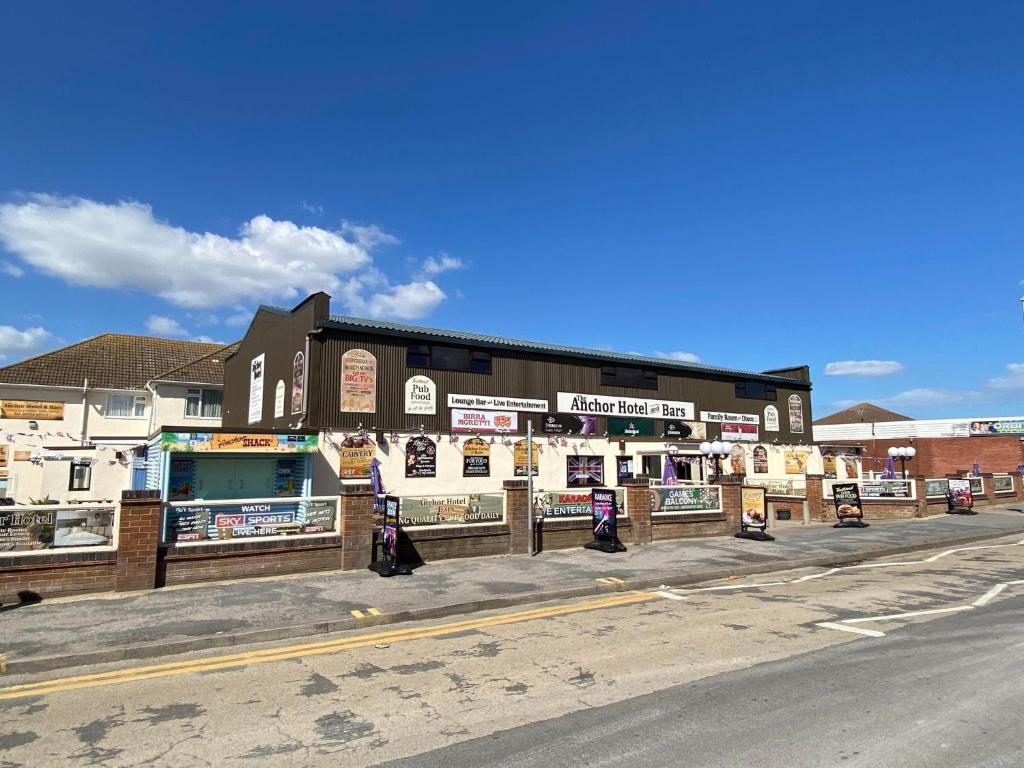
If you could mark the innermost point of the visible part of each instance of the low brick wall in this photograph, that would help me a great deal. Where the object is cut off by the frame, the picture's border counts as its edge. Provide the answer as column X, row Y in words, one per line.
column 874, row 509
column 56, row 575
column 554, row 533
column 188, row 564
column 686, row 526
column 426, row 544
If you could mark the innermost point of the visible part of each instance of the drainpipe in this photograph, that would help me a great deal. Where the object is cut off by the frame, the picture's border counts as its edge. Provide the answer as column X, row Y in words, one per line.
column 152, row 410
column 85, row 412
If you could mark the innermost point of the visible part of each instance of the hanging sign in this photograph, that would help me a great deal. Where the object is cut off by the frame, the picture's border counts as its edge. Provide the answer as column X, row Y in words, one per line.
column 828, row 465
column 771, row 418
column 631, row 427
column 476, row 458
column 420, row 457
column 686, row 430
column 35, row 410
column 356, row 456
column 497, row 403
column 564, row 424
column 279, row 399
column 760, row 460
column 358, row 382
column 796, row 414
column 740, row 432
column 846, row 497
column 960, row 495
column 754, row 508
column 519, row 458
column 796, row 462
column 420, row 395
column 738, row 460
column 298, row 381
column 256, row 388
column 721, row 417
column 484, row 421
column 607, row 405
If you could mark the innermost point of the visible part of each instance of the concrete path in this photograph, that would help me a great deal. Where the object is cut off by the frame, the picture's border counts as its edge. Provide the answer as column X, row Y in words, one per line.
column 107, row 628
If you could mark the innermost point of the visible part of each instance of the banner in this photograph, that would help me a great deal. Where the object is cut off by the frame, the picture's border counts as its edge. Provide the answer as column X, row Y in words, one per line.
column 569, row 503
column 420, row 395
column 26, row 531
column 686, row 430
column 203, row 442
column 960, row 495
column 358, row 382
column 476, row 458
column 519, row 458
column 760, row 460
column 796, row 414
column 256, row 388
column 754, row 508
column 584, row 471
column 771, row 418
column 998, row 427
column 298, row 381
column 34, row 410
column 936, row 487
column 455, row 509
column 740, row 432
column 886, row 489
column 355, row 456
column 201, row 521
column 722, row 417
column 846, row 497
column 667, row 500
column 631, row 427
column 796, row 462
column 497, row 403
column 484, row 421
column 420, row 457
column 564, row 424
column 608, row 405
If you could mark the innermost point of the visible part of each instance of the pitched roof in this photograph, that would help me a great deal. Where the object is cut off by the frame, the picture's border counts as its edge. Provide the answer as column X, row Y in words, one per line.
column 434, row 334
column 862, row 413
column 108, row 361
column 208, row 369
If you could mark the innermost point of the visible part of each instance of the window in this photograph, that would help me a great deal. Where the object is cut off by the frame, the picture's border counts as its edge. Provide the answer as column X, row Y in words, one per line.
column 204, row 403
column 444, row 358
column 584, row 470
column 126, row 406
column 756, row 390
column 81, row 476
column 619, row 376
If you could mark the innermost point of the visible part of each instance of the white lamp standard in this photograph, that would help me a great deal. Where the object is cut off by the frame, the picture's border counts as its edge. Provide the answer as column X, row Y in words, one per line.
column 903, row 454
column 717, row 450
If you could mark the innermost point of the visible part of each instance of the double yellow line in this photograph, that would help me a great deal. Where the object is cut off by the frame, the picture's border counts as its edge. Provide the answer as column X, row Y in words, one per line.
column 268, row 655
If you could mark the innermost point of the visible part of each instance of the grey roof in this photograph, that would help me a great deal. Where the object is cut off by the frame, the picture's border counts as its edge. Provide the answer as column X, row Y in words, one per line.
column 436, row 334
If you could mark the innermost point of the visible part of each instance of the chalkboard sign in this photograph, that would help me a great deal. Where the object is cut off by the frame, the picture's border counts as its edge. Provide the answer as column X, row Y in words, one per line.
column 320, row 516
column 420, row 457
column 188, row 523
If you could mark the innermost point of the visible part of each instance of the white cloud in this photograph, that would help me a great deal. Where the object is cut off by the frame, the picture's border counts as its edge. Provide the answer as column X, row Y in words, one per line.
column 316, row 210
column 207, row 339
column 435, row 265
column 683, row 357
column 863, row 368
column 11, row 269
column 922, row 397
column 14, row 341
column 401, row 302
column 164, row 326
column 1014, row 378
column 241, row 317
column 367, row 235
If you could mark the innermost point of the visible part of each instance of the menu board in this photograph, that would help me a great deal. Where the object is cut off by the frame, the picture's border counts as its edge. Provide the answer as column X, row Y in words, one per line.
column 476, row 458
column 356, row 455
column 753, row 507
column 519, row 458
column 846, row 497
column 420, row 457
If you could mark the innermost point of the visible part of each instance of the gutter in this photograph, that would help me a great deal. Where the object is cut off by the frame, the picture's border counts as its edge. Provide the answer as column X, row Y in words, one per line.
column 85, row 411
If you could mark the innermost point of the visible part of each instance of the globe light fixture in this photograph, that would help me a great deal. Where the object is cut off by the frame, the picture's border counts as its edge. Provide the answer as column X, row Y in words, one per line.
column 903, row 454
column 717, row 451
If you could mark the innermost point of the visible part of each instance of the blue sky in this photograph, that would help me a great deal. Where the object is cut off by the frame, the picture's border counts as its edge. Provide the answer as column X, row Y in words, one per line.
column 769, row 183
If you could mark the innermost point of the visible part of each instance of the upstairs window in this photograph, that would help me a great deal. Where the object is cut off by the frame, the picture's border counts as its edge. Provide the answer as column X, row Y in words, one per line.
column 620, row 376
column 204, row 403
column 81, row 476
column 756, row 390
column 126, row 406
column 444, row 358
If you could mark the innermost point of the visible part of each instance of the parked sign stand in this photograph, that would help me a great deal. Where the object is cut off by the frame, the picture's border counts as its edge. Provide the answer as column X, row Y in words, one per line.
column 754, row 514
column 389, row 564
column 606, row 531
column 848, row 507
column 960, row 497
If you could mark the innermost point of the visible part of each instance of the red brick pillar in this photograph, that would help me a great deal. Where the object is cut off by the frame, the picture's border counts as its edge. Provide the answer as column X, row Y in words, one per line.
column 814, row 496
column 732, row 501
column 356, row 526
column 922, row 496
column 138, row 537
column 638, row 503
column 1018, row 485
column 517, row 516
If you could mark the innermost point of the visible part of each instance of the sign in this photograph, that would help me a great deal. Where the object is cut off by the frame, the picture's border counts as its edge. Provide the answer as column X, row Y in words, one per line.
column 686, row 430
column 484, row 421
column 796, row 462
column 200, row 521
column 960, row 494
column 828, row 465
column 389, row 539
column 298, row 381
column 519, row 458
column 476, row 458
column 936, row 487
column 584, row 470
column 187, row 523
column 256, row 388
column 998, row 427
column 607, row 405
column 358, row 382
column 754, row 507
column 780, row 487
column 668, row 500
column 740, row 432
column 631, row 427
column 279, row 399
column 760, row 460
column 721, row 417
column 1002, row 484
column 623, row 468
column 846, row 497
column 420, row 457
column 569, row 503
column 796, row 414
column 886, row 489
column 456, row 509
column 36, row 410
column 25, row 531
column 977, row 486
column 850, row 465
column 497, row 403
column 22, row 455
column 355, row 456
column 181, row 480
column 738, row 460
column 3, row 455
column 771, row 418
column 604, row 514
column 320, row 516
column 420, row 395
column 564, row 424
column 203, row 442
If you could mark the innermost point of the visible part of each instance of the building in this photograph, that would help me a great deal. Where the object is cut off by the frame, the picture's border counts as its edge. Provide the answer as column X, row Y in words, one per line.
column 74, row 422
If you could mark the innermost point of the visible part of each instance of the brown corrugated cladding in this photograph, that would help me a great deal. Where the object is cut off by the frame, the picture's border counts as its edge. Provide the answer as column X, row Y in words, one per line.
column 519, row 374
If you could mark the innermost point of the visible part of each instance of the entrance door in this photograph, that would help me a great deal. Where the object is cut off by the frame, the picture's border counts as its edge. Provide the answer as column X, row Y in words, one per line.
column 254, row 478
column 215, row 478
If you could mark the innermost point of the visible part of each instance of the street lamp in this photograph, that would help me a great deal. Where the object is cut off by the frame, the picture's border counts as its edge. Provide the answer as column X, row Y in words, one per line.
column 902, row 454
column 717, row 450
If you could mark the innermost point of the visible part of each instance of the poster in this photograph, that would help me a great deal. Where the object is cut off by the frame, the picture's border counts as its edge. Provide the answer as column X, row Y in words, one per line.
column 519, row 458
column 420, row 395
column 1002, row 483
column 850, row 465
column 828, row 464
column 960, row 496
column 63, row 527
column 740, row 433
column 936, row 487
column 686, row 430
column 256, row 373
column 298, row 381
column 35, row 410
column 771, row 418
column 187, row 523
column 738, row 460
column 846, row 497
column 753, row 503
column 279, row 399
column 630, row 407
column 453, row 509
column 796, row 462
column 3, row 455
column 722, row 417
column 760, row 460
column 484, row 421
column 569, row 503
column 319, row 516
column 997, row 427
column 356, row 454
column 886, row 489
column 584, row 471
column 604, row 514
column 476, row 458
column 796, row 414
column 564, row 424
column 289, row 476
column 26, row 531
column 181, row 482
column 497, row 403
column 22, row 455
column 389, row 539
column 624, row 468
column 977, row 486
column 420, row 457
column 358, row 382
column 631, row 427
column 668, row 500
column 234, row 442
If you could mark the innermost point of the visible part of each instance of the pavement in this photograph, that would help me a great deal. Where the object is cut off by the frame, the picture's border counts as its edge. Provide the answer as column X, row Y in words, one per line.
column 109, row 628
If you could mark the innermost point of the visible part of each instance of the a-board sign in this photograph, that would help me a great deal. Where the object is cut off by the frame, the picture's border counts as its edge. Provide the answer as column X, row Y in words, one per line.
column 389, row 546
column 960, row 495
column 846, row 497
column 605, row 516
column 754, row 506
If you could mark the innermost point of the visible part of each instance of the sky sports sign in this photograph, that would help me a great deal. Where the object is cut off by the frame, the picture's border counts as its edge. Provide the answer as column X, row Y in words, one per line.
column 605, row 405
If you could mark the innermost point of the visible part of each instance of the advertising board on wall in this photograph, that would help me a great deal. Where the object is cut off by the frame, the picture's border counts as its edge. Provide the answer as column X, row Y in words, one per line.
column 298, row 381
column 886, row 489
column 35, row 410
column 936, row 487
column 828, row 465
column 795, row 462
column 279, row 399
column 569, row 503
column 464, row 420
column 456, row 509
column 476, row 458
column 355, row 456
column 1002, row 483
column 420, row 457
column 607, row 405
column 796, row 414
column 22, row 530
column 256, row 374
column 740, row 432
column 760, row 460
column 358, row 382
column 997, row 427
column 686, row 430
column 630, row 427
column 722, row 417
column 497, row 403
column 420, row 395
column 668, row 500
column 202, row 442
column 771, row 418
column 202, row 521
column 566, row 424
column 520, row 458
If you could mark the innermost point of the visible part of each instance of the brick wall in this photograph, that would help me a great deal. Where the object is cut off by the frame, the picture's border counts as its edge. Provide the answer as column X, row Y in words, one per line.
column 56, row 575
column 416, row 545
column 557, row 533
column 138, row 539
column 187, row 564
column 938, row 456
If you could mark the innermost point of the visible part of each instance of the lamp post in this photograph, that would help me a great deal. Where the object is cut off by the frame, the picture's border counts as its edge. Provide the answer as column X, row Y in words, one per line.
column 717, row 450
column 902, row 454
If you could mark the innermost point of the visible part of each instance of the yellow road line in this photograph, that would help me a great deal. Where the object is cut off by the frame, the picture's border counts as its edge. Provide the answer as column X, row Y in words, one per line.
column 358, row 614
column 373, row 611
column 610, row 580
column 309, row 649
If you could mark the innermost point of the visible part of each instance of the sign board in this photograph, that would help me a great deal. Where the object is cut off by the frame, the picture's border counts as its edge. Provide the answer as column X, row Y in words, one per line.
column 608, row 405
column 519, row 458
column 484, row 421
column 355, row 456
column 1002, row 483
column 740, row 432
column 256, row 376
column 796, row 462
column 796, row 414
column 358, row 382
column 497, row 403
column 760, row 460
column 420, row 395
column 199, row 521
column 721, row 417
column 279, row 399
column 631, row 427
column 569, row 503
column 977, row 486
column 420, row 457
column 846, row 497
column 960, row 496
column 676, row 499
column 453, row 509
column 754, row 508
column 202, row 442
column 997, row 427
column 298, row 381
column 686, row 430
column 771, row 418
column 886, row 489
column 565, row 424
column 389, row 539
column 25, row 531
column 936, row 487
column 604, row 513
column 476, row 458
column 35, row 410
